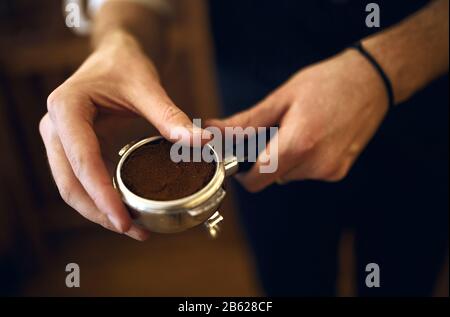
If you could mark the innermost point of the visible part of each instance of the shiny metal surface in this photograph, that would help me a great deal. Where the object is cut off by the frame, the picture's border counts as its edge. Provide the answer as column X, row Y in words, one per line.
column 180, row 214
column 212, row 224
column 231, row 165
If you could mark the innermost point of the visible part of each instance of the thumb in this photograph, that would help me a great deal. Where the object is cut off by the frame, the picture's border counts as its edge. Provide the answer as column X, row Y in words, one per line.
column 266, row 113
column 170, row 120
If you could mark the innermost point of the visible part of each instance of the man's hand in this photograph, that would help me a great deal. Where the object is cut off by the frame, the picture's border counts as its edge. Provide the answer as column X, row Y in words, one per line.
column 116, row 81
column 327, row 114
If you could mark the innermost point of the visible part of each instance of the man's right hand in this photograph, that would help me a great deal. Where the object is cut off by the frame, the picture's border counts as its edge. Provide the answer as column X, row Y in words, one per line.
column 117, row 80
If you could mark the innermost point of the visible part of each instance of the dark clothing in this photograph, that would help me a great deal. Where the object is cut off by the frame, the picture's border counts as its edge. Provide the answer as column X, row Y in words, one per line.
column 396, row 197
column 271, row 39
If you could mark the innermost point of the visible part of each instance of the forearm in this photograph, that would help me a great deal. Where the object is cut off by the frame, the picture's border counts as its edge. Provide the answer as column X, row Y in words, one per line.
column 132, row 24
column 415, row 51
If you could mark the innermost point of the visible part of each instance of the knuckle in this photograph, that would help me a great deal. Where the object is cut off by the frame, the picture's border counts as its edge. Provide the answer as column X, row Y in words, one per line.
column 65, row 191
column 46, row 129
column 78, row 163
column 44, row 125
column 343, row 173
column 171, row 113
column 105, row 223
column 304, row 145
column 59, row 99
column 97, row 194
column 326, row 171
column 336, row 178
column 53, row 100
column 334, row 173
column 297, row 148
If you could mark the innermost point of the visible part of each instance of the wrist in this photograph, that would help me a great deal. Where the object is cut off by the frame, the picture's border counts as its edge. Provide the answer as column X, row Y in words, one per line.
column 364, row 77
column 359, row 47
column 403, row 85
column 122, row 48
column 116, row 38
column 415, row 51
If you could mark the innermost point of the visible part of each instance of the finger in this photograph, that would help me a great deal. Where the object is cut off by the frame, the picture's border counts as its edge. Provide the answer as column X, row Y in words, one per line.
column 170, row 120
column 72, row 118
column 68, row 185
column 306, row 171
column 266, row 113
column 70, row 188
column 137, row 233
column 279, row 148
column 325, row 163
column 329, row 163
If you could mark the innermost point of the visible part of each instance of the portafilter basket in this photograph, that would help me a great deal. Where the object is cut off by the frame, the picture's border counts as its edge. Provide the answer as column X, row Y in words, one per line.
column 184, row 213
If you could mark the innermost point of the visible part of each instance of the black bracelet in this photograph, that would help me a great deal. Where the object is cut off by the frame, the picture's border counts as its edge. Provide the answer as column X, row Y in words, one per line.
column 387, row 83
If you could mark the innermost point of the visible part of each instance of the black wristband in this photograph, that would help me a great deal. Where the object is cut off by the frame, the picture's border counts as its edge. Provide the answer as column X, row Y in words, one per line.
column 387, row 83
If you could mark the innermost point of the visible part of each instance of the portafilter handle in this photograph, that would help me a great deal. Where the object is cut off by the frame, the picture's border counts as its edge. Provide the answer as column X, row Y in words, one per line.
column 240, row 162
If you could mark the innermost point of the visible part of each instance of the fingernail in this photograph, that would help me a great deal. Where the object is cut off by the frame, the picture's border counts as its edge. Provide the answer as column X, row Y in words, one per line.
column 190, row 130
column 115, row 222
column 137, row 234
column 207, row 134
column 197, row 131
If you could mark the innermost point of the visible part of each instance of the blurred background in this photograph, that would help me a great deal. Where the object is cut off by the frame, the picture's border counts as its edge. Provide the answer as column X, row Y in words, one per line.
column 40, row 235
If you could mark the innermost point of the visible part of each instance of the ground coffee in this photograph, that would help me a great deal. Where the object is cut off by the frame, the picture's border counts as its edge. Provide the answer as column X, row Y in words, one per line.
column 150, row 173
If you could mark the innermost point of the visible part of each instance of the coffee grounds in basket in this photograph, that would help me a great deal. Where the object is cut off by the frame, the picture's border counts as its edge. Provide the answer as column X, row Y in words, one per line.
column 150, row 173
